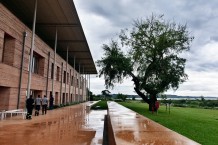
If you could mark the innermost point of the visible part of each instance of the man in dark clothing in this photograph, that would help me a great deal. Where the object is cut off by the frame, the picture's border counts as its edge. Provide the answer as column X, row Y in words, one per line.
column 29, row 106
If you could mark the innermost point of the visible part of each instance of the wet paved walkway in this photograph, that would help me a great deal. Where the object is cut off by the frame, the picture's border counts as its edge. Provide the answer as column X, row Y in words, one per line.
column 129, row 128
column 73, row 125
column 77, row 125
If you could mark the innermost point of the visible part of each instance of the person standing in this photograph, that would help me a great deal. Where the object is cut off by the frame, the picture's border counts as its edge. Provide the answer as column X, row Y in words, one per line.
column 38, row 102
column 29, row 107
column 51, row 100
column 44, row 105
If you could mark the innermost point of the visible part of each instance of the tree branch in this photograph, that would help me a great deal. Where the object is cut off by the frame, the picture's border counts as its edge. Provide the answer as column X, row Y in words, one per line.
column 137, row 88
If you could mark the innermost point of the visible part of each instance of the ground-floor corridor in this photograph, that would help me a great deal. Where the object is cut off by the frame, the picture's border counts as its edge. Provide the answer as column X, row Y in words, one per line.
column 64, row 126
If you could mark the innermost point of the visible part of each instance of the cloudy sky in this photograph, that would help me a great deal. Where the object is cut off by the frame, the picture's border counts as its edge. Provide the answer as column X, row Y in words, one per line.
column 103, row 20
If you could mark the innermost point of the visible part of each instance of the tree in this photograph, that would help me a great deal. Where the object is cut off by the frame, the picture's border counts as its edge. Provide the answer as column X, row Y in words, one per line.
column 163, row 96
column 164, row 99
column 122, row 97
column 89, row 95
column 202, row 98
column 153, row 59
column 105, row 93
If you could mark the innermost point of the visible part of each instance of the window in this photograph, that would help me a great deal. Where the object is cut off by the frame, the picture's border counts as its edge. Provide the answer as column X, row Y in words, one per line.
column 35, row 64
column 52, row 71
column 77, row 82
column 57, row 73
column 64, row 79
column 72, row 81
column 63, row 98
column 81, row 82
column 67, row 78
column 71, row 97
column 38, row 64
column 8, row 49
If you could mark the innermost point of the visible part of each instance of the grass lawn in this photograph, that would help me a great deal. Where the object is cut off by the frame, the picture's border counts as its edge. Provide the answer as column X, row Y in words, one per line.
column 100, row 105
column 200, row 125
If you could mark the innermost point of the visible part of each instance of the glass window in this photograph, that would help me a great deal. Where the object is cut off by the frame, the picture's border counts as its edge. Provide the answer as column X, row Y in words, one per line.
column 72, row 81
column 67, row 78
column 35, row 64
column 57, row 73
column 64, row 79
column 52, row 70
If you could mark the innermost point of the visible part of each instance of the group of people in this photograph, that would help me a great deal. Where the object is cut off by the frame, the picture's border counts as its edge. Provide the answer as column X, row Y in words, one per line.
column 38, row 102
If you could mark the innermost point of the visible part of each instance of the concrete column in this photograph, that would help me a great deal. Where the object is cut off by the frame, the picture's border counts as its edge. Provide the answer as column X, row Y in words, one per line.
column 89, row 87
column 62, row 65
column 69, row 84
column 66, row 78
column 21, row 69
column 79, row 84
column 31, row 50
column 75, row 78
column 47, row 73
column 86, row 87
column 82, row 83
column 55, row 49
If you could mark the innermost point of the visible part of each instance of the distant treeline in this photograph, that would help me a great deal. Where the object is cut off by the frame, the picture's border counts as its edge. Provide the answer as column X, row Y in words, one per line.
column 173, row 97
column 198, row 103
column 177, row 101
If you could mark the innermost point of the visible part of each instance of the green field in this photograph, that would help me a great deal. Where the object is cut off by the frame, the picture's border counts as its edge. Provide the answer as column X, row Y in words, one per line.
column 102, row 105
column 200, row 125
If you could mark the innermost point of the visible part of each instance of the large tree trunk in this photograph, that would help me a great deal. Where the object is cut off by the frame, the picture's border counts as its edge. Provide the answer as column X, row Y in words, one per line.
column 151, row 102
column 153, row 94
column 144, row 98
column 153, row 99
column 137, row 88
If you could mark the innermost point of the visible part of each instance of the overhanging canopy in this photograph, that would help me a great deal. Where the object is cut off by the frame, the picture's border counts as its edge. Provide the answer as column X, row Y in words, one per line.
column 60, row 14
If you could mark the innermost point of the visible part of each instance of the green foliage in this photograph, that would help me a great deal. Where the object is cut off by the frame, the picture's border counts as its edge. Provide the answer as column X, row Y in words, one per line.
column 100, row 105
column 94, row 97
column 91, row 95
column 56, row 106
column 163, row 96
column 118, row 100
column 197, row 124
column 106, row 94
column 121, row 96
column 97, row 97
column 115, row 65
column 202, row 99
column 153, row 59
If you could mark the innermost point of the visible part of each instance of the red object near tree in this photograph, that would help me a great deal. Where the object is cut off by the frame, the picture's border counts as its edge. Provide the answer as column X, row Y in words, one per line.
column 157, row 105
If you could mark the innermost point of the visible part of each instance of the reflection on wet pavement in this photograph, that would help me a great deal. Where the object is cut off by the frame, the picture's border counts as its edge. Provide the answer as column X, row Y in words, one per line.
column 77, row 125
column 65, row 126
column 130, row 128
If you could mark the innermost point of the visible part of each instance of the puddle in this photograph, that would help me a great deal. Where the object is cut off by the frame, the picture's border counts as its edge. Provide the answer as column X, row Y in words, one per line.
column 65, row 126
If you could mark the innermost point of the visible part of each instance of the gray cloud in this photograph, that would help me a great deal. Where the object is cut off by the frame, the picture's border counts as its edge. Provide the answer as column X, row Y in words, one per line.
column 102, row 20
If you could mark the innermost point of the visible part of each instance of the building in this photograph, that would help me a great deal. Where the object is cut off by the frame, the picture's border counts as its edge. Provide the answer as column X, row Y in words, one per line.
column 47, row 33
